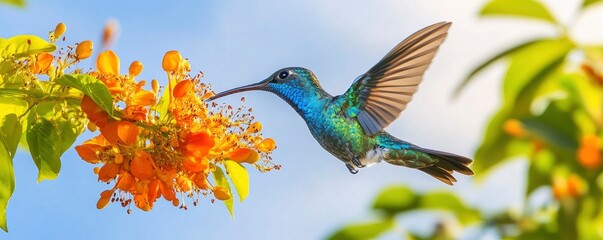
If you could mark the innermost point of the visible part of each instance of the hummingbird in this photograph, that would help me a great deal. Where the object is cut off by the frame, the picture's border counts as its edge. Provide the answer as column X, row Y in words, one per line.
column 351, row 126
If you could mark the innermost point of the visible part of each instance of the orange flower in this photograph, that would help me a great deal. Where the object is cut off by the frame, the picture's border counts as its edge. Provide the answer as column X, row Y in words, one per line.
column 154, row 191
column 89, row 152
column 84, row 50
column 184, row 183
column 182, row 88
column 142, row 165
column 255, row 127
column 109, row 32
column 197, row 144
column 104, row 199
column 94, row 112
column 155, row 86
column 108, row 172
column 108, row 63
column 59, row 30
column 589, row 154
column 143, row 98
column 42, row 64
column 195, row 164
column 126, row 182
column 267, row 145
column 122, row 132
column 200, row 180
column 142, row 201
column 514, row 128
column 244, row 155
column 221, row 193
column 572, row 186
column 171, row 61
column 135, row 68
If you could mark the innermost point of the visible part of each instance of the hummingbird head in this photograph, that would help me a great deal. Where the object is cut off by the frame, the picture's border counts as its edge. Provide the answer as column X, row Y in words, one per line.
column 291, row 84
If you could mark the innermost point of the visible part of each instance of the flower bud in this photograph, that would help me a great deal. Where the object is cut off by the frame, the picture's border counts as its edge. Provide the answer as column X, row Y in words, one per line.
column 84, row 49
column 171, row 61
column 135, row 68
column 267, row 145
column 59, row 30
column 221, row 193
column 182, row 88
column 155, row 86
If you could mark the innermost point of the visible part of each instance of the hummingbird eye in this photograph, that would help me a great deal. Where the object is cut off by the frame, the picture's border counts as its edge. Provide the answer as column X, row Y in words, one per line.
column 283, row 75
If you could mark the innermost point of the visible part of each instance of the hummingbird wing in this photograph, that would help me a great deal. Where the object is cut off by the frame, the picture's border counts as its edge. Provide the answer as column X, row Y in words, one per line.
column 378, row 97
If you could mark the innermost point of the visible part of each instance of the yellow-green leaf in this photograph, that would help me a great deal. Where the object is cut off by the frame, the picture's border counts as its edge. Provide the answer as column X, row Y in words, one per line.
column 520, row 8
column 588, row 3
column 10, row 133
column 221, row 181
column 44, row 144
column 92, row 87
column 532, row 64
column 239, row 177
column 447, row 201
column 23, row 46
column 18, row 3
column 491, row 60
column 362, row 231
column 395, row 199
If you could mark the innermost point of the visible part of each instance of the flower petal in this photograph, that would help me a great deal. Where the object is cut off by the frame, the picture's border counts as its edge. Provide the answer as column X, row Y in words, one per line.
column 108, row 63
column 143, row 98
column 182, row 88
column 141, row 165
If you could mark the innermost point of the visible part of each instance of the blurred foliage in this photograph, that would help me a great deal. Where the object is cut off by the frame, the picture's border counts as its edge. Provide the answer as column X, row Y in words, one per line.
column 551, row 115
column 18, row 3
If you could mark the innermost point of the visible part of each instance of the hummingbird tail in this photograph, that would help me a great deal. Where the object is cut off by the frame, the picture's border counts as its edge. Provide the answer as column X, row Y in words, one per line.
column 436, row 163
column 446, row 164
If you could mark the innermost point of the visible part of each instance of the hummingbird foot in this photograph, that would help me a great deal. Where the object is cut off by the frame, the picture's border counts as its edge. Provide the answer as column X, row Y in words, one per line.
column 351, row 168
column 357, row 162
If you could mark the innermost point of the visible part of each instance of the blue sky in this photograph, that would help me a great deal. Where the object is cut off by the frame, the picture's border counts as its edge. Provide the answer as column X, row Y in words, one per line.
column 240, row 42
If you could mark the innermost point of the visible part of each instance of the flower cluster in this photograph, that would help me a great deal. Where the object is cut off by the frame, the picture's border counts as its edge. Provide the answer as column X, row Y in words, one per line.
column 168, row 146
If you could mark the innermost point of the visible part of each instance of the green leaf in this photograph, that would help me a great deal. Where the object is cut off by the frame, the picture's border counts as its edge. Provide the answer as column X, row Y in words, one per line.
column 92, row 87
column 10, row 133
column 491, row 60
column 555, row 125
column 18, row 3
column 395, row 199
column 69, row 128
column 588, row 3
column 539, row 170
column 449, row 202
column 362, row 231
column 519, row 8
column 44, row 144
column 23, row 46
column 590, row 218
column 221, row 181
column 162, row 106
column 585, row 92
column 532, row 65
column 239, row 177
column 68, row 133
column 530, row 70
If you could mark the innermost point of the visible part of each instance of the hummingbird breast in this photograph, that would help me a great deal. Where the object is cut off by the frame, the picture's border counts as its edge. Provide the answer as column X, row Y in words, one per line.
column 341, row 136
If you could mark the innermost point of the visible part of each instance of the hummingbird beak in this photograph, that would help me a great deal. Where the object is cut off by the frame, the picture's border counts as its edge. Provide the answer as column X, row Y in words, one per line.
column 255, row 86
